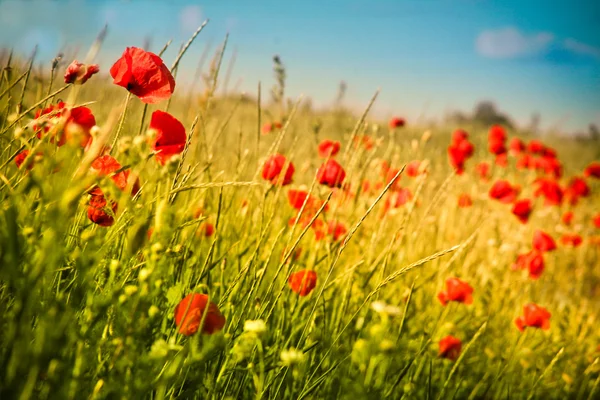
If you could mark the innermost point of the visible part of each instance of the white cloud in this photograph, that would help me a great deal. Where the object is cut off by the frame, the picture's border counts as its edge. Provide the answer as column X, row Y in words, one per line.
column 511, row 43
column 190, row 18
column 581, row 48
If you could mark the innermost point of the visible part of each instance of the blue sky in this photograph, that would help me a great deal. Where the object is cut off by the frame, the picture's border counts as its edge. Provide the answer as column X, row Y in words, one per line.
column 427, row 56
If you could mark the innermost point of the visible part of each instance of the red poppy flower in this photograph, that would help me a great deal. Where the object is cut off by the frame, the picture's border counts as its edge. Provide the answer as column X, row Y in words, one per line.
column 170, row 136
column 457, row 159
column 412, row 168
column 456, row 290
column 522, row 209
column 592, row 170
column 273, row 167
column 297, row 198
column 501, row 160
column 496, row 134
column 535, row 147
column 458, row 136
column 579, row 187
column 571, row 240
column 328, row 148
column 549, row 165
column 596, row 221
column 483, row 169
column 303, row 282
column 364, row 141
column 337, row 230
column 464, row 201
column 533, row 316
column 107, row 165
column 190, row 313
column 206, row 229
column 80, row 73
column 144, row 75
column 567, row 217
column 450, row 347
column 543, row 242
column 331, row 174
column 525, row 161
column 504, row 192
column 516, row 146
column 533, row 261
column 20, row 159
column 77, row 122
column 97, row 211
column 396, row 122
column 550, row 190
column 497, row 147
column 399, row 198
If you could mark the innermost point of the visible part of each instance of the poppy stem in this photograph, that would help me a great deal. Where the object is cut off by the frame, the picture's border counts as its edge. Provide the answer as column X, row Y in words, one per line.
column 121, row 122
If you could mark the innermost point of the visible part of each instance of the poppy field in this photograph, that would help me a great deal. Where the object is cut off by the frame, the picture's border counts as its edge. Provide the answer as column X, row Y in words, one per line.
column 157, row 243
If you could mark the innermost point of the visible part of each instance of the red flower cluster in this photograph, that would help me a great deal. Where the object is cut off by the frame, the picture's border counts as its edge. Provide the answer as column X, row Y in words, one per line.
column 65, row 124
column 396, row 122
column 532, row 261
column 460, row 150
column 97, row 209
column 497, row 144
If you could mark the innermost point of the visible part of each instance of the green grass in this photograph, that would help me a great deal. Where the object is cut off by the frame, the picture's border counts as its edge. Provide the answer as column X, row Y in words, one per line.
column 87, row 311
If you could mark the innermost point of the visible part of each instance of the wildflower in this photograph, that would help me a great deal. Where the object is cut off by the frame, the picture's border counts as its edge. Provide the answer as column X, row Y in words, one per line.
column 579, row 187
column 20, row 159
column 496, row 134
column 331, row 174
column 543, row 242
column 396, row 122
column 413, row 168
column 464, row 200
column 450, row 347
column 336, row 229
column 535, row 147
column 273, row 168
column 458, row 136
column 456, row 290
column 483, row 170
column 516, row 146
column 192, row 310
column 596, row 221
column 504, row 192
column 328, row 148
column 170, row 136
column 567, row 217
column 522, row 210
column 533, row 316
column 550, row 190
column 257, row 327
column 533, row 261
column 97, row 211
column 571, row 240
column 399, row 198
column 501, row 160
column 206, row 229
column 144, row 75
column 297, row 198
column 303, row 282
column 291, row 357
column 79, row 73
column 459, row 151
column 592, row 170
column 68, row 124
